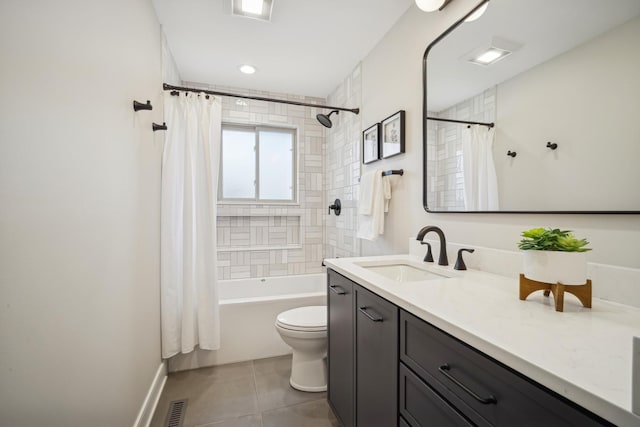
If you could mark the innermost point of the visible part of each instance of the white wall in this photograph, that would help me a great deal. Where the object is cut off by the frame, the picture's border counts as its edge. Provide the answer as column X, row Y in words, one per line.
column 392, row 80
column 587, row 100
column 79, row 211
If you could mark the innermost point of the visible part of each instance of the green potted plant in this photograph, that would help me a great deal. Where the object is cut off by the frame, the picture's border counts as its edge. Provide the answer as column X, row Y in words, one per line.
column 554, row 256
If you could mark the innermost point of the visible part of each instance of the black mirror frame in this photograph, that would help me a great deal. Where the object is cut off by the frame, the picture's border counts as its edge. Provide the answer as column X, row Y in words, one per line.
column 424, row 137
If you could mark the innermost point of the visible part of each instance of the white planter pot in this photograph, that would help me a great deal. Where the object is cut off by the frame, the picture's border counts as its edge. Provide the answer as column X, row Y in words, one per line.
column 567, row 268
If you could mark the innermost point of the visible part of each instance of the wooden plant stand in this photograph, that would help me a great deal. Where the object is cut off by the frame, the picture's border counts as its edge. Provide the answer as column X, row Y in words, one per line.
column 582, row 292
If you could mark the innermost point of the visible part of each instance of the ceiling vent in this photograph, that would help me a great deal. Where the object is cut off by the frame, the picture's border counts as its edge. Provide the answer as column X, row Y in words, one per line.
column 493, row 51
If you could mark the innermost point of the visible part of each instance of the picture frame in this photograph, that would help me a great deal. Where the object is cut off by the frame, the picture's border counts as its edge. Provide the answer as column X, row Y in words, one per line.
column 371, row 144
column 392, row 135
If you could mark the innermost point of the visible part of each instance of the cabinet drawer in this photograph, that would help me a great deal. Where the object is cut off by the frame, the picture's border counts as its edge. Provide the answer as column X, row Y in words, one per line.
column 484, row 390
column 422, row 406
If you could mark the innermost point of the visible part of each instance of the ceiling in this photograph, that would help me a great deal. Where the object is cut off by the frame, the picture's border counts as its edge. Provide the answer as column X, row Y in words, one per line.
column 308, row 48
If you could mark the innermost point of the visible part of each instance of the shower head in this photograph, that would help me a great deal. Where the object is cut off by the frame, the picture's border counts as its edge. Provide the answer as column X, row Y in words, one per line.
column 325, row 120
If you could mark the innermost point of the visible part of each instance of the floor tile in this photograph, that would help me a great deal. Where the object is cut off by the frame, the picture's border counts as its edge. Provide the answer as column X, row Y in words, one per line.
column 225, row 399
column 248, row 421
column 280, row 365
column 232, row 384
column 310, row 414
column 248, row 394
column 274, row 390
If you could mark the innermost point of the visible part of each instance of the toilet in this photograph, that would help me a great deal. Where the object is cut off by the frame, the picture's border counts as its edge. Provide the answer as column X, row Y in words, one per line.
column 304, row 329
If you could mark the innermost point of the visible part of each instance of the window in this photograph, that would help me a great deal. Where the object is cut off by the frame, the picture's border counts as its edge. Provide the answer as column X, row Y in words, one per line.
column 257, row 164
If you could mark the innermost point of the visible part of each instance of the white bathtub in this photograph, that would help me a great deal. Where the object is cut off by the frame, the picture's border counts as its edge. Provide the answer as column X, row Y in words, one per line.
column 248, row 310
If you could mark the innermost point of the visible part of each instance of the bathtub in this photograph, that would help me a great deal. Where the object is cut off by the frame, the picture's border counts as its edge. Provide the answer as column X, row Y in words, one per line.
column 248, row 310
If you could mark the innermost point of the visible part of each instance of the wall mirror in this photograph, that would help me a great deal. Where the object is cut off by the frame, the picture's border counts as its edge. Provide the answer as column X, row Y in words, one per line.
column 559, row 80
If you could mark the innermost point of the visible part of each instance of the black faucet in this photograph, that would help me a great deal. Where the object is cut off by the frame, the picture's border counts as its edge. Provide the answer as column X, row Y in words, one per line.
column 428, row 257
column 442, row 259
column 460, row 265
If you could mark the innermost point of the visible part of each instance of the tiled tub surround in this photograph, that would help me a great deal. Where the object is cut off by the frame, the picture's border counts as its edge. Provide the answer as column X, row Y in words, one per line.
column 342, row 168
column 258, row 232
column 582, row 354
column 446, row 191
column 257, row 241
column 279, row 239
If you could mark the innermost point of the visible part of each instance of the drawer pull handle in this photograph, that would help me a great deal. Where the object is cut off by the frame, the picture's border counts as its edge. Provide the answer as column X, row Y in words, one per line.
column 337, row 289
column 375, row 318
column 444, row 369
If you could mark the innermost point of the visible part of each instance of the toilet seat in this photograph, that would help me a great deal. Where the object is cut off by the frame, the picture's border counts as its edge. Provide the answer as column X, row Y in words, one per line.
column 309, row 319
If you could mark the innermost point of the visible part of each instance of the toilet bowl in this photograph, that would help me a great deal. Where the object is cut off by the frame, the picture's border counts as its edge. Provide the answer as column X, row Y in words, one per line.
column 304, row 329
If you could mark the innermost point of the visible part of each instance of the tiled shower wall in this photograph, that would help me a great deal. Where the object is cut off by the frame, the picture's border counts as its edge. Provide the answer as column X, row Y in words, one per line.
column 444, row 151
column 275, row 240
column 342, row 168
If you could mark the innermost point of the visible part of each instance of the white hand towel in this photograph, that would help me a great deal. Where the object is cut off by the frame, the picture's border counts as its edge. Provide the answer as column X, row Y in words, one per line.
column 367, row 183
column 370, row 226
column 386, row 186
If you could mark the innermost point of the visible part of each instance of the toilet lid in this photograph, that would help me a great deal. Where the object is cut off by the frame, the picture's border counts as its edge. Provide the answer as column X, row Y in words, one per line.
column 312, row 318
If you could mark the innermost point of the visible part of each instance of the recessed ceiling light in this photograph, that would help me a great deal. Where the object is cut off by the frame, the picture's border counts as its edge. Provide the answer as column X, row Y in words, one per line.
column 257, row 9
column 247, row 69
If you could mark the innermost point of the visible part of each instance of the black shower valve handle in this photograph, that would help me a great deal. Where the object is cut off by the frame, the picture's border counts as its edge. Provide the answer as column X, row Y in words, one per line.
column 336, row 206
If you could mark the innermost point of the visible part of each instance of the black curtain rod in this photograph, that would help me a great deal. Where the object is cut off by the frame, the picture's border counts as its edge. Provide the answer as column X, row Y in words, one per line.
column 438, row 119
column 257, row 98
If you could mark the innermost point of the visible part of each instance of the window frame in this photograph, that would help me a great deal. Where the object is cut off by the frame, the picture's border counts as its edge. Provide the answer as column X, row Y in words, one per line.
column 256, row 128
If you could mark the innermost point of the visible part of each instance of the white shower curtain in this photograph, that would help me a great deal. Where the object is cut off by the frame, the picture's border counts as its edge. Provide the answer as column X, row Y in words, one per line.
column 479, row 171
column 188, row 270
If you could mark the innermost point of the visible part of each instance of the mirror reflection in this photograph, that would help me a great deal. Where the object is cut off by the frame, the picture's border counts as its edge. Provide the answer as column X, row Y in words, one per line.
column 560, row 80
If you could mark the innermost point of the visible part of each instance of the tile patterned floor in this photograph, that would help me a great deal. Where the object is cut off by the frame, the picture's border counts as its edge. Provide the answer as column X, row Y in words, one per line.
column 247, row 394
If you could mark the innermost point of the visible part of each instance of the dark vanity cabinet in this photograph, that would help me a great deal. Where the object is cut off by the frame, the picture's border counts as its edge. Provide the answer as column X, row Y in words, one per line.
column 388, row 367
column 376, row 360
column 341, row 347
column 362, row 355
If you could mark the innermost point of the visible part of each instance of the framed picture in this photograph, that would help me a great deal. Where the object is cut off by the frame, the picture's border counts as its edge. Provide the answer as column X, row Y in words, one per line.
column 392, row 137
column 370, row 144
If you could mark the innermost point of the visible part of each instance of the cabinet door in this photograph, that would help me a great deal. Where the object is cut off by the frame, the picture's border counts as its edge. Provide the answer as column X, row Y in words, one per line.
column 376, row 360
column 340, row 388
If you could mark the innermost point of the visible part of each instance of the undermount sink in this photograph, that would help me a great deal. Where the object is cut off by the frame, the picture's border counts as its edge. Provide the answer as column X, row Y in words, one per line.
column 403, row 272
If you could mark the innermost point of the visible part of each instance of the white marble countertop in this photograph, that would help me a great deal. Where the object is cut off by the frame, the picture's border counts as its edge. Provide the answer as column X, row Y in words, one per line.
column 583, row 354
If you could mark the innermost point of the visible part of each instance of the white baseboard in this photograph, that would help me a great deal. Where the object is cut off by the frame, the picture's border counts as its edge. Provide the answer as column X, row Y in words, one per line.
column 153, row 395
